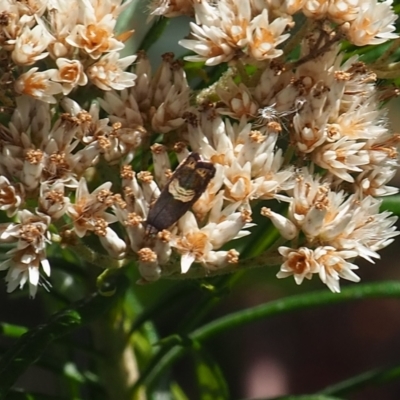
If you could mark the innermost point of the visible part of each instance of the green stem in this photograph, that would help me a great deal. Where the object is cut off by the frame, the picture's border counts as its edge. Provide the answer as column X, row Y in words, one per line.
column 117, row 368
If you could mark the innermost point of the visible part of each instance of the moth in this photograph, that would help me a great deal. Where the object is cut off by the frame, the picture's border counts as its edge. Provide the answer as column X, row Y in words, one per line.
column 183, row 189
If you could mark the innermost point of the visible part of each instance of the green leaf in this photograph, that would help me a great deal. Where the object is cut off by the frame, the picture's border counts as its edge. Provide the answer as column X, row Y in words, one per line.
column 391, row 203
column 154, row 33
column 29, row 347
column 72, row 372
column 177, row 392
column 12, row 330
column 211, row 381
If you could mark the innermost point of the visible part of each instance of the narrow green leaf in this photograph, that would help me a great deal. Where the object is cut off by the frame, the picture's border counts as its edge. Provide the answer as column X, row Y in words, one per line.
column 211, row 382
column 154, row 33
column 294, row 303
column 29, row 347
column 374, row 377
column 167, row 344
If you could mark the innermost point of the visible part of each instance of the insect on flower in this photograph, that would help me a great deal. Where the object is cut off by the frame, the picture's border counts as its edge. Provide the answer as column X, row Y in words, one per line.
column 183, row 189
column 269, row 114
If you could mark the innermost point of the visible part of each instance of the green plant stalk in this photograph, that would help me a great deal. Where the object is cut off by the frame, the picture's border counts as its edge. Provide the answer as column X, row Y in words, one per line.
column 117, row 368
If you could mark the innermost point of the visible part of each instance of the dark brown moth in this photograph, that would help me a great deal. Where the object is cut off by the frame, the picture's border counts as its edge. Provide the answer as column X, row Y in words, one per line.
column 183, row 189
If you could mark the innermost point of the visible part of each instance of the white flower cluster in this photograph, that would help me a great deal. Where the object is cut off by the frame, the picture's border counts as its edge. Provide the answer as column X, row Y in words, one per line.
column 252, row 30
column 59, row 45
column 306, row 131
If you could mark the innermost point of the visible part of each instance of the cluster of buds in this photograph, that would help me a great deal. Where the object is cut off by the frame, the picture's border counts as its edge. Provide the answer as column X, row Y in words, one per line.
column 307, row 132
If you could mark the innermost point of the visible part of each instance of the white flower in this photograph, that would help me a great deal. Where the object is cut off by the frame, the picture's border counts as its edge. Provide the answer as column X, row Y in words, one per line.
column 330, row 264
column 342, row 157
column 343, row 222
column 315, row 8
column 62, row 18
column 363, row 120
column 308, row 136
column 372, row 182
column 238, row 183
column 24, row 262
column 88, row 211
column 279, row 7
column 52, row 200
column 263, row 37
column 108, row 73
column 297, row 262
column 70, row 74
column 199, row 245
column 333, row 265
column 367, row 230
column 14, row 20
column 95, row 37
column 382, row 151
column 101, row 8
column 30, row 45
column 210, row 43
column 11, row 196
column 238, row 99
column 38, row 85
column 341, row 11
column 374, row 23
